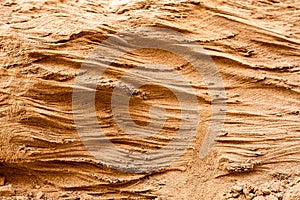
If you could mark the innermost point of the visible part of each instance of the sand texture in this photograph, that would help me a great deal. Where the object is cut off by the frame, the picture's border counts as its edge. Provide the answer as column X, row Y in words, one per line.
column 255, row 46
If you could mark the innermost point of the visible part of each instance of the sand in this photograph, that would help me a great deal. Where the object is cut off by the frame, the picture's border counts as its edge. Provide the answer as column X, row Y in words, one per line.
column 254, row 46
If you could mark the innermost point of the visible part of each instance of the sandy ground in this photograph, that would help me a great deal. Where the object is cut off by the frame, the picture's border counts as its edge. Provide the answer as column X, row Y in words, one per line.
column 254, row 44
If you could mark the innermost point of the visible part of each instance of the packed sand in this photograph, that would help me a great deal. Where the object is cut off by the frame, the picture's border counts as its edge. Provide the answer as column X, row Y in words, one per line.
column 255, row 45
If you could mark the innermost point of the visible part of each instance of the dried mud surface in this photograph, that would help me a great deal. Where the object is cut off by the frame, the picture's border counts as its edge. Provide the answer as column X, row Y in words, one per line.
column 254, row 44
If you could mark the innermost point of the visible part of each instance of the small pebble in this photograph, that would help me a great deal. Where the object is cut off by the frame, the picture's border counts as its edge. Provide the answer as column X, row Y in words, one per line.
column 237, row 188
column 246, row 191
column 235, row 195
column 266, row 191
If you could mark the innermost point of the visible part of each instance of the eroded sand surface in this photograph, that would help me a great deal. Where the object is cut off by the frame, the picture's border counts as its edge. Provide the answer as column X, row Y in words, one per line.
column 254, row 44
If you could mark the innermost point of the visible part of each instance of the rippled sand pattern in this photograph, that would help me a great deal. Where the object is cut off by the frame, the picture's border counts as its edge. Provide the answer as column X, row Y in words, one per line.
column 255, row 46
